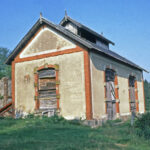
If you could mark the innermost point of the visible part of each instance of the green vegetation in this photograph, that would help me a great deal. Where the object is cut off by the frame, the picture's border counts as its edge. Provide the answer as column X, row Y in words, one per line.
column 5, row 70
column 1, row 97
column 147, row 94
column 58, row 134
column 55, row 133
column 142, row 125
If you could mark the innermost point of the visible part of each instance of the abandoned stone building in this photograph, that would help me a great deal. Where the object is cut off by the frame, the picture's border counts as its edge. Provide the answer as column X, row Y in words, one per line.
column 69, row 69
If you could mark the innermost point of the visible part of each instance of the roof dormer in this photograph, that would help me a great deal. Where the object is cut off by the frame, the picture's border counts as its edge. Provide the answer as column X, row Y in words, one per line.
column 85, row 33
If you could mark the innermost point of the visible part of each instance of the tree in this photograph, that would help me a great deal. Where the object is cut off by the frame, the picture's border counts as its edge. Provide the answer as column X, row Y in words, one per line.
column 147, row 94
column 5, row 70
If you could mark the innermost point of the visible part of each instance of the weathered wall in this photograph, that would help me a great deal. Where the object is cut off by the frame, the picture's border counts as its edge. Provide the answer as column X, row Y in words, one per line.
column 5, row 91
column 46, row 41
column 98, row 65
column 140, row 96
column 123, row 95
column 98, row 102
column 72, row 84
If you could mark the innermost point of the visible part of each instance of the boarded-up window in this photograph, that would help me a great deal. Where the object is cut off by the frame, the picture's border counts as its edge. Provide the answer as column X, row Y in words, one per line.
column 47, row 89
column 110, row 93
column 110, row 88
column 132, row 93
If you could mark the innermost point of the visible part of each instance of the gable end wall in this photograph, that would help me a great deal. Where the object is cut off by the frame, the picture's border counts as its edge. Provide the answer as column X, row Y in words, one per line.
column 72, row 84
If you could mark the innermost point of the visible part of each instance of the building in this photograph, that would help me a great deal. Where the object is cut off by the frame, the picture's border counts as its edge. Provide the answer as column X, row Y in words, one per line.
column 69, row 69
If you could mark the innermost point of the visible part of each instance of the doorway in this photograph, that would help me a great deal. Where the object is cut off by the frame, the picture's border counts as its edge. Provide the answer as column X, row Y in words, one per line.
column 132, row 94
column 110, row 94
column 47, row 90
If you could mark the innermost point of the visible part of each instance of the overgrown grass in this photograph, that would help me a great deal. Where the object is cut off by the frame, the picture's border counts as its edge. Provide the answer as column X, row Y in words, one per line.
column 55, row 133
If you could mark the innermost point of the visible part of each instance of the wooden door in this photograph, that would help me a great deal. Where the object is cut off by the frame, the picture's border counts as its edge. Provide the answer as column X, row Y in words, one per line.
column 111, row 101
column 110, row 94
column 47, row 89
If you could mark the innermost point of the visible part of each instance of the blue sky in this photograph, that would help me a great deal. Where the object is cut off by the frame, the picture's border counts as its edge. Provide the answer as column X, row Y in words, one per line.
column 125, row 22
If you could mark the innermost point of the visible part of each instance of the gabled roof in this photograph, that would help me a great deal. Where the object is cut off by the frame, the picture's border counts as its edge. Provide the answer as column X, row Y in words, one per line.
column 77, row 39
column 67, row 19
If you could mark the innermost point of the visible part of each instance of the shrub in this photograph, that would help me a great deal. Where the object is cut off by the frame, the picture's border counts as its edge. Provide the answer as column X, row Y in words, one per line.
column 1, row 97
column 142, row 125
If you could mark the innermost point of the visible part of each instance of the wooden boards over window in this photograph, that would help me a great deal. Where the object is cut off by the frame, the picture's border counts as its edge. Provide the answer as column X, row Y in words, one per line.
column 110, row 94
column 47, row 88
column 133, row 94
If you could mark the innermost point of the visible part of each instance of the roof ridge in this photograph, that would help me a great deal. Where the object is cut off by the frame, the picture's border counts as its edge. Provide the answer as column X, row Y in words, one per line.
column 73, row 37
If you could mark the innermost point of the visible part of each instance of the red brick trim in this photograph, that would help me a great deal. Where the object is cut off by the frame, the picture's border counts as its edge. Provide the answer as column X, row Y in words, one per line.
column 86, row 69
column 36, row 91
column 13, row 87
column 117, row 94
column 105, row 92
column 144, row 96
column 17, row 60
column 56, row 67
column 136, row 96
column 129, row 95
column 89, row 114
column 68, row 51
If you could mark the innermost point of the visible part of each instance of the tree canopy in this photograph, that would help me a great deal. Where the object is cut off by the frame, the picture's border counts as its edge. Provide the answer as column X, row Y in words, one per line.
column 5, row 70
column 147, row 94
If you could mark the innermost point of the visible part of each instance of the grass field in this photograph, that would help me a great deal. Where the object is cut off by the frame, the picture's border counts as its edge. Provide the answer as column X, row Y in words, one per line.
column 58, row 134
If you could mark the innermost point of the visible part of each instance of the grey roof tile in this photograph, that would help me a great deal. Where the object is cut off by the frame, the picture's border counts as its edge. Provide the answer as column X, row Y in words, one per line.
column 72, row 36
column 67, row 18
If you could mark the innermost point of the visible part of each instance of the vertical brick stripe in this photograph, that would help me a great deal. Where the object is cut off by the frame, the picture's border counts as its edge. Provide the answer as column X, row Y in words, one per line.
column 144, row 96
column 36, row 91
column 129, row 95
column 105, row 93
column 87, row 86
column 136, row 96
column 117, row 94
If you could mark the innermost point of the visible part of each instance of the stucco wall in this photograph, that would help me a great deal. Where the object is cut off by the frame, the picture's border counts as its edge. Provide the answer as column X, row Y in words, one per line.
column 72, row 84
column 140, row 97
column 123, row 95
column 98, row 102
column 46, row 41
column 98, row 65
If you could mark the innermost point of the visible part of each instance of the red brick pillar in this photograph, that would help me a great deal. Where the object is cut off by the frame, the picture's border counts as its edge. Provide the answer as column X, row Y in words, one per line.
column 57, row 86
column 136, row 96
column 117, row 95
column 36, row 91
column 105, row 93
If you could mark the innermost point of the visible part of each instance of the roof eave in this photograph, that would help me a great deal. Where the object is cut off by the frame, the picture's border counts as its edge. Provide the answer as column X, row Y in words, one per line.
column 20, row 44
column 136, row 67
column 75, row 38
